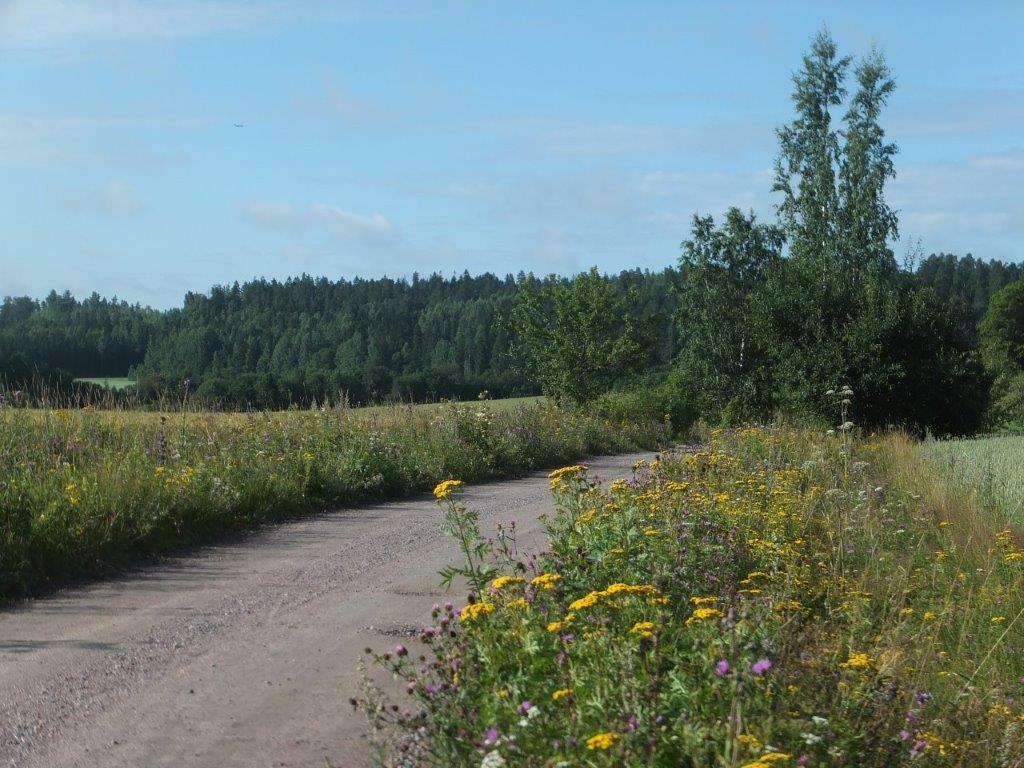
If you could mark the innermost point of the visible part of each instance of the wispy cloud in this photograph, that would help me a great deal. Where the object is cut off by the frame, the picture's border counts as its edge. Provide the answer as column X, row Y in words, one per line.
column 45, row 23
column 115, row 198
column 326, row 218
column 974, row 205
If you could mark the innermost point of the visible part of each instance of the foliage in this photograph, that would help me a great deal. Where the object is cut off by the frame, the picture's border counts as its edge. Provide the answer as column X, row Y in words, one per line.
column 720, row 357
column 267, row 344
column 1002, row 349
column 578, row 338
column 968, row 282
column 837, row 309
column 84, row 490
column 760, row 603
column 670, row 401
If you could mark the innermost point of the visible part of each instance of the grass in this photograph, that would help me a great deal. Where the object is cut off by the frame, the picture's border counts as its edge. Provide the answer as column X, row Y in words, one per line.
column 782, row 598
column 991, row 468
column 82, row 491
column 110, row 382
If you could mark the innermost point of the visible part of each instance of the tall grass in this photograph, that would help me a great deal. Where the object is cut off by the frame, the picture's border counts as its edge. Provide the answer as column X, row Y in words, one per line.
column 782, row 598
column 83, row 490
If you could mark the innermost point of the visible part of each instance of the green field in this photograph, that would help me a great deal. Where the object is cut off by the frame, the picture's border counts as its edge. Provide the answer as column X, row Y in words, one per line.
column 989, row 468
column 115, row 382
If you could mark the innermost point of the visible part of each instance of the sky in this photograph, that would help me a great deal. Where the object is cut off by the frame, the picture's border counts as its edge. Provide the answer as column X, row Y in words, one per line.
column 402, row 137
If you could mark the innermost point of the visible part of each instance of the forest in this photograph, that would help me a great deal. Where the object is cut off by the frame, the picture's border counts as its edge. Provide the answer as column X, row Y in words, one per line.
column 270, row 344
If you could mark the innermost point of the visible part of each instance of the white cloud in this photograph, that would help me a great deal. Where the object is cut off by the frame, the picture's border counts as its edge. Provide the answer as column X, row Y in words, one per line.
column 115, row 198
column 347, row 224
column 326, row 218
column 45, row 23
column 973, row 205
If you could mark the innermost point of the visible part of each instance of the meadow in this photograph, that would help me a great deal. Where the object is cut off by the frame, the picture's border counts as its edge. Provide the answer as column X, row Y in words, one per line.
column 780, row 598
column 83, row 491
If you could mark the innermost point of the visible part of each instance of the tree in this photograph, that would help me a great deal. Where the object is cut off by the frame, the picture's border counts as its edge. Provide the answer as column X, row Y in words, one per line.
column 1002, row 350
column 578, row 338
column 721, row 358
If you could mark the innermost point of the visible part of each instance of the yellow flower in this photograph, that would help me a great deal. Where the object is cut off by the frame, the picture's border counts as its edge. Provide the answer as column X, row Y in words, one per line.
column 503, row 693
column 517, row 604
column 704, row 614
column 573, row 469
column 858, row 661
column 928, row 615
column 474, row 611
column 605, row 740
column 445, row 489
column 546, row 580
column 774, row 757
column 748, row 740
column 587, row 601
column 561, row 693
column 997, row 619
column 556, row 626
column 503, row 581
column 643, row 628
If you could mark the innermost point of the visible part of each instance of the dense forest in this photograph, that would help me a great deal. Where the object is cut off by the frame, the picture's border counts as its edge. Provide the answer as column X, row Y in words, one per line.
column 268, row 343
column 271, row 344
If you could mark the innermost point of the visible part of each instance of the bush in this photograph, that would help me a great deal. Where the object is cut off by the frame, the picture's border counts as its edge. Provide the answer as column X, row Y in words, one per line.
column 671, row 402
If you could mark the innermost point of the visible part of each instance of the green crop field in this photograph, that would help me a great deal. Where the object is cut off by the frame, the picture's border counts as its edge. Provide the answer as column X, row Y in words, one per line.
column 990, row 468
column 118, row 382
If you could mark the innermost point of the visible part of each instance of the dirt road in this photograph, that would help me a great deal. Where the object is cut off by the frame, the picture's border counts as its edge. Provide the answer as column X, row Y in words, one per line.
column 242, row 654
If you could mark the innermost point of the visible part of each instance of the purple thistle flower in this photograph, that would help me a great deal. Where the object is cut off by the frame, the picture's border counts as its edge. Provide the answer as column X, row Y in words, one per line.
column 803, row 760
column 631, row 724
column 491, row 736
column 722, row 668
column 525, row 707
column 761, row 666
column 904, row 735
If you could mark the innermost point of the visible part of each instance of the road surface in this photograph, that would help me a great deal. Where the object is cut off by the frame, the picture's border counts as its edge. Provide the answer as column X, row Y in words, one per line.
column 241, row 654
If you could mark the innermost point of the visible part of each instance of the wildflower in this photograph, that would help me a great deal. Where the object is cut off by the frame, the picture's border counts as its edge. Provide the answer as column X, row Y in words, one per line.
column 749, row 740
column 561, row 693
column 858, row 661
column 761, row 666
column 704, row 614
column 525, row 707
column 546, row 580
column 474, row 611
column 704, row 600
column 722, row 668
column 491, row 736
column 445, row 489
column 556, row 626
column 928, row 615
column 605, row 740
column 643, row 628
column 400, row 650
column 503, row 581
column 492, row 759
column 774, row 757
column 997, row 619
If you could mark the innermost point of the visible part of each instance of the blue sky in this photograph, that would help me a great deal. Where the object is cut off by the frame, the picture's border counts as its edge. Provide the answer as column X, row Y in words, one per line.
column 389, row 138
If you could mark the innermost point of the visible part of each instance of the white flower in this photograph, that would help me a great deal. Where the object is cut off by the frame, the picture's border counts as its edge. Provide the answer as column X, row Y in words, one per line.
column 819, row 721
column 533, row 712
column 810, row 739
column 492, row 759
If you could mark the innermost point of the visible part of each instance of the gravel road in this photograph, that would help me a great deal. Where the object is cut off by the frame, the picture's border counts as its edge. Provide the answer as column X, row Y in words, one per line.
column 241, row 654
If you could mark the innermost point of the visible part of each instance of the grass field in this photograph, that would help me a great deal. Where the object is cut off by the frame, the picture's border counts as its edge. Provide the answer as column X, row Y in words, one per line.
column 83, row 490
column 991, row 468
column 110, row 382
column 780, row 598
